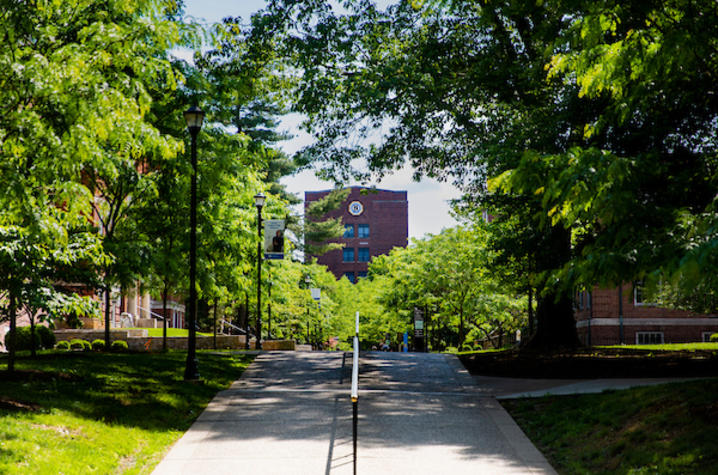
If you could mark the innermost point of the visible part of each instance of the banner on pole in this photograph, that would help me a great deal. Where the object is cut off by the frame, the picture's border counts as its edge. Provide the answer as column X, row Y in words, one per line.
column 274, row 239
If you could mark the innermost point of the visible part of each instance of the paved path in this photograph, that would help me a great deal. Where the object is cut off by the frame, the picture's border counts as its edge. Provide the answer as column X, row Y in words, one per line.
column 290, row 414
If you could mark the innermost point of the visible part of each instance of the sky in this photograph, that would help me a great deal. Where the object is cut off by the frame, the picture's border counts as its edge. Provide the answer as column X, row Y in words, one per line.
column 429, row 210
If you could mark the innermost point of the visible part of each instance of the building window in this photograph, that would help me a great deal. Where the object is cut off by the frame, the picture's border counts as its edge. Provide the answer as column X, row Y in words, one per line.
column 348, row 254
column 363, row 230
column 707, row 336
column 348, row 230
column 639, row 295
column 362, row 274
column 363, row 254
column 583, row 300
column 350, row 276
column 649, row 338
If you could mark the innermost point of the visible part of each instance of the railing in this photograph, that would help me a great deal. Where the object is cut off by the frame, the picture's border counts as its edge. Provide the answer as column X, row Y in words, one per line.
column 355, row 390
column 150, row 312
column 241, row 330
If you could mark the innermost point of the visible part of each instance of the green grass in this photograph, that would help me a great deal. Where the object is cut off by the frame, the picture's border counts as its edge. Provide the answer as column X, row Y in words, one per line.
column 157, row 332
column 668, row 429
column 668, row 347
column 78, row 413
column 476, row 352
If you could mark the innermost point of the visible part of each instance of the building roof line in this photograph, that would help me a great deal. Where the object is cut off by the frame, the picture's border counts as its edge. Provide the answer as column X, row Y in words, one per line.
column 369, row 188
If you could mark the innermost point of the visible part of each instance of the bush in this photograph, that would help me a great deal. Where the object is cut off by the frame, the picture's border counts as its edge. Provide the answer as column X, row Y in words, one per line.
column 78, row 344
column 118, row 346
column 98, row 345
column 47, row 337
column 714, row 338
column 62, row 345
column 44, row 338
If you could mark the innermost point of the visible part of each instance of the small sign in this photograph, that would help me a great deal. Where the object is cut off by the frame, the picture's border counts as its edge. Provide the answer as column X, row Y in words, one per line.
column 316, row 293
column 418, row 322
column 274, row 239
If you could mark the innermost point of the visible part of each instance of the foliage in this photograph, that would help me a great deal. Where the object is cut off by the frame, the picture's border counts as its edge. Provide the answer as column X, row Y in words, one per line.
column 714, row 338
column 449, row 275
column 98, row 345
column 552, row 114
column 44, row 338
column 658, row 429
column 130, row 408
column 62, row 345
column 78, row 344
column 119, row 346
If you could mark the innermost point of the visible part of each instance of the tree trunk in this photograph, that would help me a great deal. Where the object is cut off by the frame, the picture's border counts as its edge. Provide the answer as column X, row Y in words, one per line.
column 531, row 311
column 107, row 318
column 556, row 327
column 164, row 319
column 214, row 341
column 33, row 337
column 13, row 335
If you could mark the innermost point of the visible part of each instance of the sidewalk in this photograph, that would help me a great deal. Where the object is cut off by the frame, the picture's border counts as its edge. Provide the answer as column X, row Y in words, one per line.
column 418, row 414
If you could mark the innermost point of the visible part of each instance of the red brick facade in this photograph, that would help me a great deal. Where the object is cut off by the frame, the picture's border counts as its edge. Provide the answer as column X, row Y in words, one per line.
column 600, row 319
column 383, row 213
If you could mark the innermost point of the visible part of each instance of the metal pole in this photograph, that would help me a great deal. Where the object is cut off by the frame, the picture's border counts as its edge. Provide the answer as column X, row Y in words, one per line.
column 620, row 313
column 355, row 391
column 259, row 278
column 191, row 369
column 269, row 305
column 246, row 320
column 355, row 420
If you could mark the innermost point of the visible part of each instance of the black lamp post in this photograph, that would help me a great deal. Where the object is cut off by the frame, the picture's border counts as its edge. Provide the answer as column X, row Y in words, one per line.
column 259, row 202
column 269, row 306
column 194, row 117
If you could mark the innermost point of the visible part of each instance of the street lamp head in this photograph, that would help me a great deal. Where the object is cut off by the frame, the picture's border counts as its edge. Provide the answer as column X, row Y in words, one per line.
column 194, row 117
column 259, row 200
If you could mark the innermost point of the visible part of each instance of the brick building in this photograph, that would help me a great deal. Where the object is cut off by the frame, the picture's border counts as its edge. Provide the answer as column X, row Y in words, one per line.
column 602, row 318
column 375, row 222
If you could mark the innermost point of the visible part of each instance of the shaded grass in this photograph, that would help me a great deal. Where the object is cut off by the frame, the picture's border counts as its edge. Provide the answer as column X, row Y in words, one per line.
column 668, row 429
column 103, row 413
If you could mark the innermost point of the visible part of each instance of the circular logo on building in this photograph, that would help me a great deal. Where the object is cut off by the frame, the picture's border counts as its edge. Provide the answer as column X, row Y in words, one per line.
column 356, row 208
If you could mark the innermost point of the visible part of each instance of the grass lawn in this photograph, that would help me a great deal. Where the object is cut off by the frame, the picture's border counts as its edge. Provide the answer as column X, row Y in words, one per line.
column 668, row 429
column 668, row 347
column 79, row 413
column 157, row 332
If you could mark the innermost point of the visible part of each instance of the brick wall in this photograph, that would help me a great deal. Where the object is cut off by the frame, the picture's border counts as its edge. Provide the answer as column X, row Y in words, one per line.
column 602, row 316
column 387, row 214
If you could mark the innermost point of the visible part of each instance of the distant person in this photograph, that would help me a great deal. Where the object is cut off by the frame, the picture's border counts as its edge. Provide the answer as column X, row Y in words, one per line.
column 278, row 242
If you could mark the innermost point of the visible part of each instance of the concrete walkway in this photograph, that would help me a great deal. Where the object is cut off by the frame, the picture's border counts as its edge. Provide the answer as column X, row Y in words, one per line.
column 290, row 413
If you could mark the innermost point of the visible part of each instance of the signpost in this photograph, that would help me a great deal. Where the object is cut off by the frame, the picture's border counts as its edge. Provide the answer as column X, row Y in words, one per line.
column 418, row 329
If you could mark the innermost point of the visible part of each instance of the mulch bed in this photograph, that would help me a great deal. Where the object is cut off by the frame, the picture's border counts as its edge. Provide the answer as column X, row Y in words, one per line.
column 593, row 363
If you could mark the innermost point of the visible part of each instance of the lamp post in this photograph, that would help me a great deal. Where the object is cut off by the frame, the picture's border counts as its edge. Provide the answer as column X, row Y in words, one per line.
column 194, row 117
column 259, row 202
column 269, row 305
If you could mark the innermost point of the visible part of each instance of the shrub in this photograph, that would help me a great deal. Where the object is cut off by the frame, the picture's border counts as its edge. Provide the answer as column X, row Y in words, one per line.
column 44, row 338
column 98, row 345
column 62, row 345
column 714, row 338
column 119, row 346
column 47, row 337
column 78, row 344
